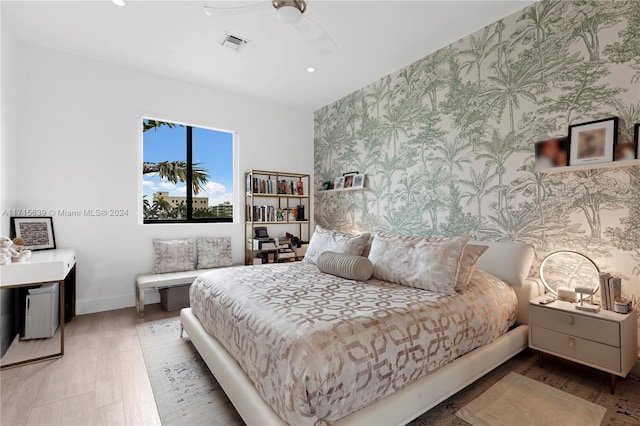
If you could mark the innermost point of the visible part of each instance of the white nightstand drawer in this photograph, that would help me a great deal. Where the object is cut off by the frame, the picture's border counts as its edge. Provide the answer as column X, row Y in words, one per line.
column 596, row 354
column 595, row 329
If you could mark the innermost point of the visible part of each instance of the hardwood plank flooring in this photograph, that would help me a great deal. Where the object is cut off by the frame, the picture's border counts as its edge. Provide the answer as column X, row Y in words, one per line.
column 101, row 379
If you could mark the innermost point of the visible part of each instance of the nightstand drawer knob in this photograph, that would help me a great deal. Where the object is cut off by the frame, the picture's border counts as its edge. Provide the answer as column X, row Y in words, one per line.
column 570, row 320
column 572, row 342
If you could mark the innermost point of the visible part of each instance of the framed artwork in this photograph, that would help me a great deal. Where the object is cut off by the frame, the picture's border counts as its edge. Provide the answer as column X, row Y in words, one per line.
column 37, row 232
column 348, row 181
column 358, row 181
column 593, row 142
column 339, row 183
column 552, row 153
column 626, row 150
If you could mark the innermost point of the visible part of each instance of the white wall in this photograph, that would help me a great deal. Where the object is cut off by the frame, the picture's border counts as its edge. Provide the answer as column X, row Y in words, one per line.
column 7, row 119
column 79, row 148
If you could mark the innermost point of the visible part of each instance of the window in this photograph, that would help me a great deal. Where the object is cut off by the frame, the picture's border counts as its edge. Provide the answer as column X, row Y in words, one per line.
column 187, row 173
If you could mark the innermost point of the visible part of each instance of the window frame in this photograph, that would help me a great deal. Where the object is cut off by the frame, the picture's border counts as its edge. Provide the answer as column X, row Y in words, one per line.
column 189, row 178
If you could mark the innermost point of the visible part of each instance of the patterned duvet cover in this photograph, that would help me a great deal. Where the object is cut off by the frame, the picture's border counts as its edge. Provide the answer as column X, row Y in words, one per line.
column 319, row 347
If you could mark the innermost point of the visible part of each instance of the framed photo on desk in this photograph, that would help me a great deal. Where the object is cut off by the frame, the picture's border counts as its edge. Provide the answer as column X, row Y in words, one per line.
column 37, row 232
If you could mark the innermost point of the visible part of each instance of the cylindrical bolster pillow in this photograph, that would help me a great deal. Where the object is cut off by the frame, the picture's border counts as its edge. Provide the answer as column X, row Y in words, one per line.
column 346, row 266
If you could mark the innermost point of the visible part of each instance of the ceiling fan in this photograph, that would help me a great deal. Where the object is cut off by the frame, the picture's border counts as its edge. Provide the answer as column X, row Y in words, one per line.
column 289, row 12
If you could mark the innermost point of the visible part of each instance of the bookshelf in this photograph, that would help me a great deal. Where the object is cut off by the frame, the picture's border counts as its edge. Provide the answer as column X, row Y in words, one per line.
column 273, row 200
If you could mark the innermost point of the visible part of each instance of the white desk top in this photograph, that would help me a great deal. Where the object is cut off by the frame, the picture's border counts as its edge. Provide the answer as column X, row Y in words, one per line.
column 42, row 266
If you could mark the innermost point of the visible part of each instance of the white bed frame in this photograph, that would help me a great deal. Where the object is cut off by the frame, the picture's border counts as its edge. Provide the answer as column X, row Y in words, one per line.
column 396, row 409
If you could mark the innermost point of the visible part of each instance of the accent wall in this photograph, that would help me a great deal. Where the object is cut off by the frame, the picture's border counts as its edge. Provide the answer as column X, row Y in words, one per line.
column 447, row 142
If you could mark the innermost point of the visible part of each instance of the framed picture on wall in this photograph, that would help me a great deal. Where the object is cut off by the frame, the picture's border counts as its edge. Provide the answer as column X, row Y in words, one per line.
column 37, row 232
column 348, row 181
column 552, row 153
column 358, row 181
column 593, row 142
column 339, row 183
column 626, row 149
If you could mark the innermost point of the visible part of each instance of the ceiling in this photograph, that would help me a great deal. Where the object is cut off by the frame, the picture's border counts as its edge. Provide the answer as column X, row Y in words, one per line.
column 176, row 39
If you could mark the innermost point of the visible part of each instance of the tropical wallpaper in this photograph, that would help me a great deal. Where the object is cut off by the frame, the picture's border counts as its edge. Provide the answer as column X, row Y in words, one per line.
column 447, row 142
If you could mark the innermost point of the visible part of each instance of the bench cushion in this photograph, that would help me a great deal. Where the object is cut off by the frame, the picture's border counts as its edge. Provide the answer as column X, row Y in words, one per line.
column 170, row 278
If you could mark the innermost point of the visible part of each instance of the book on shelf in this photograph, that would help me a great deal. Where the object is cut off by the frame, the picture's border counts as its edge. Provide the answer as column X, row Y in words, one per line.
column 604, row 293
column 610, row 290
column 615, row 290
column 256, row 185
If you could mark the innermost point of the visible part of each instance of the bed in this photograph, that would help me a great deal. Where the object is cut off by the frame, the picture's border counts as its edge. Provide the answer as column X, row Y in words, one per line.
column 391, row 352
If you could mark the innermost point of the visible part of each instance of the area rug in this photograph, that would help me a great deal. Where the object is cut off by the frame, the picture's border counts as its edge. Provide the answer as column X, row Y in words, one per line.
column 185, row 391
column 518, row 400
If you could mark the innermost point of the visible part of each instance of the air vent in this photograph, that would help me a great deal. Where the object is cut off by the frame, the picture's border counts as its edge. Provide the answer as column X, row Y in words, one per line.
column 233, row 41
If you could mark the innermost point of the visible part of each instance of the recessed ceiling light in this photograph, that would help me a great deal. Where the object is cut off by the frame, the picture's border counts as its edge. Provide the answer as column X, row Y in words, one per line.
column 118, row 2
column 311, row 69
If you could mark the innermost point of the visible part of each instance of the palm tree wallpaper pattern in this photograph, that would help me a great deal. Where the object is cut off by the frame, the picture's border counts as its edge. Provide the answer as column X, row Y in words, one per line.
column 447, row 142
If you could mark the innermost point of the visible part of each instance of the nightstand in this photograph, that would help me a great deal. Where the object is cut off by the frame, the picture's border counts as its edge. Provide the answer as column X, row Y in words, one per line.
column 604, row 340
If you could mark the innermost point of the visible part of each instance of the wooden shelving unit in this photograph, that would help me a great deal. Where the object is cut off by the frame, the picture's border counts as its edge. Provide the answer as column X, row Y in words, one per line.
column 274, row 199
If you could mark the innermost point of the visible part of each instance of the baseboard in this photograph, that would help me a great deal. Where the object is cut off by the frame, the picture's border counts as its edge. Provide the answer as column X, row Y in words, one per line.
column 90, row 306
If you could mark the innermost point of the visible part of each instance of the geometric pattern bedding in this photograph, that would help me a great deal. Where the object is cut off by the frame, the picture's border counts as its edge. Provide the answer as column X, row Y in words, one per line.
column 319, row 347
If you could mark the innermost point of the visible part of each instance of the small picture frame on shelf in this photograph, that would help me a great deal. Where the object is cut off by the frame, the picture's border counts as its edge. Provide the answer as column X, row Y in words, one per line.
column 348, row 181
column 593, row 142
column 626, row 150
column 37, row 232
column 358, row 181
column 339, row 183
column 552, row 153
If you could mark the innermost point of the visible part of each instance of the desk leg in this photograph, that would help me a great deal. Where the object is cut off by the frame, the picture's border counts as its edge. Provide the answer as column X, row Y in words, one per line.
column 61, row 285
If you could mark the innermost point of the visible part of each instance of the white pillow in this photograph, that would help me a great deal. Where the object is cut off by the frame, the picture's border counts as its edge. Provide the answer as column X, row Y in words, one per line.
column 173, row 255
column 213, row 252
column 426, row 263
column 327, row 240
column 470, row 256
column 511, row 262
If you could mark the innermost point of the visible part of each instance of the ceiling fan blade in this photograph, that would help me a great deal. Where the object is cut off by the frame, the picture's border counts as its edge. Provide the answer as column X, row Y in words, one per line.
column 237, row 10
column 316, row 35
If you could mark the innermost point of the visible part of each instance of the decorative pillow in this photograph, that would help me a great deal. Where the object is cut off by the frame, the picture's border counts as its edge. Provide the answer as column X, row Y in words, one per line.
column 327, row 240
column 213, row 252
column 173, row 255
column 470, row 256
column 426, row 263
column 346, row 266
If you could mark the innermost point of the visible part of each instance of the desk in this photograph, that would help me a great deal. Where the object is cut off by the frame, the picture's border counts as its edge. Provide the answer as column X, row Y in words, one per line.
column 45, row 266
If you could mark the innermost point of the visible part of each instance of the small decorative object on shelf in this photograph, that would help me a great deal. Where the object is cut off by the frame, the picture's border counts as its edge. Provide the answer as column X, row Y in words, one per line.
column 593, row 142
column 346, row 182
column 274, row 199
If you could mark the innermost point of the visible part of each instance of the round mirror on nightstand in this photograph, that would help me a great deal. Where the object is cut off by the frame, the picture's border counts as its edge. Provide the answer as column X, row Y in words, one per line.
column 569, row 269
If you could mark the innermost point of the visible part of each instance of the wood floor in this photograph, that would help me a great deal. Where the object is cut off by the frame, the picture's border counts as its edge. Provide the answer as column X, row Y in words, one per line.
column 101, row 380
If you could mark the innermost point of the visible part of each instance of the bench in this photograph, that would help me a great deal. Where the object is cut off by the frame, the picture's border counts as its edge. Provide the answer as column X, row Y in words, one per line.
column 169, row 279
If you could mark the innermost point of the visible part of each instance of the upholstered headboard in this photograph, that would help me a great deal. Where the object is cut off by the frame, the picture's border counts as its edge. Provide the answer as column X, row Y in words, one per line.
column 511, row 262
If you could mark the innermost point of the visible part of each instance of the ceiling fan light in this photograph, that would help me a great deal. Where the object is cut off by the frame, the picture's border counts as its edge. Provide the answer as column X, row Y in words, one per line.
column 289, row 14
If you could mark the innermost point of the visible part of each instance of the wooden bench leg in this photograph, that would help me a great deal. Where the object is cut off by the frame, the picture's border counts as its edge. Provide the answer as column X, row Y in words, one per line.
column 140, row 303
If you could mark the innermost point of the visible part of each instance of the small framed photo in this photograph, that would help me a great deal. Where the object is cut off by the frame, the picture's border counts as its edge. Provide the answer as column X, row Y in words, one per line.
column 358, row 181
column 552, row 153
column 37, row 232
column 339, row 183
column 625, row 150
column 348, row 181
column 593, row 142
